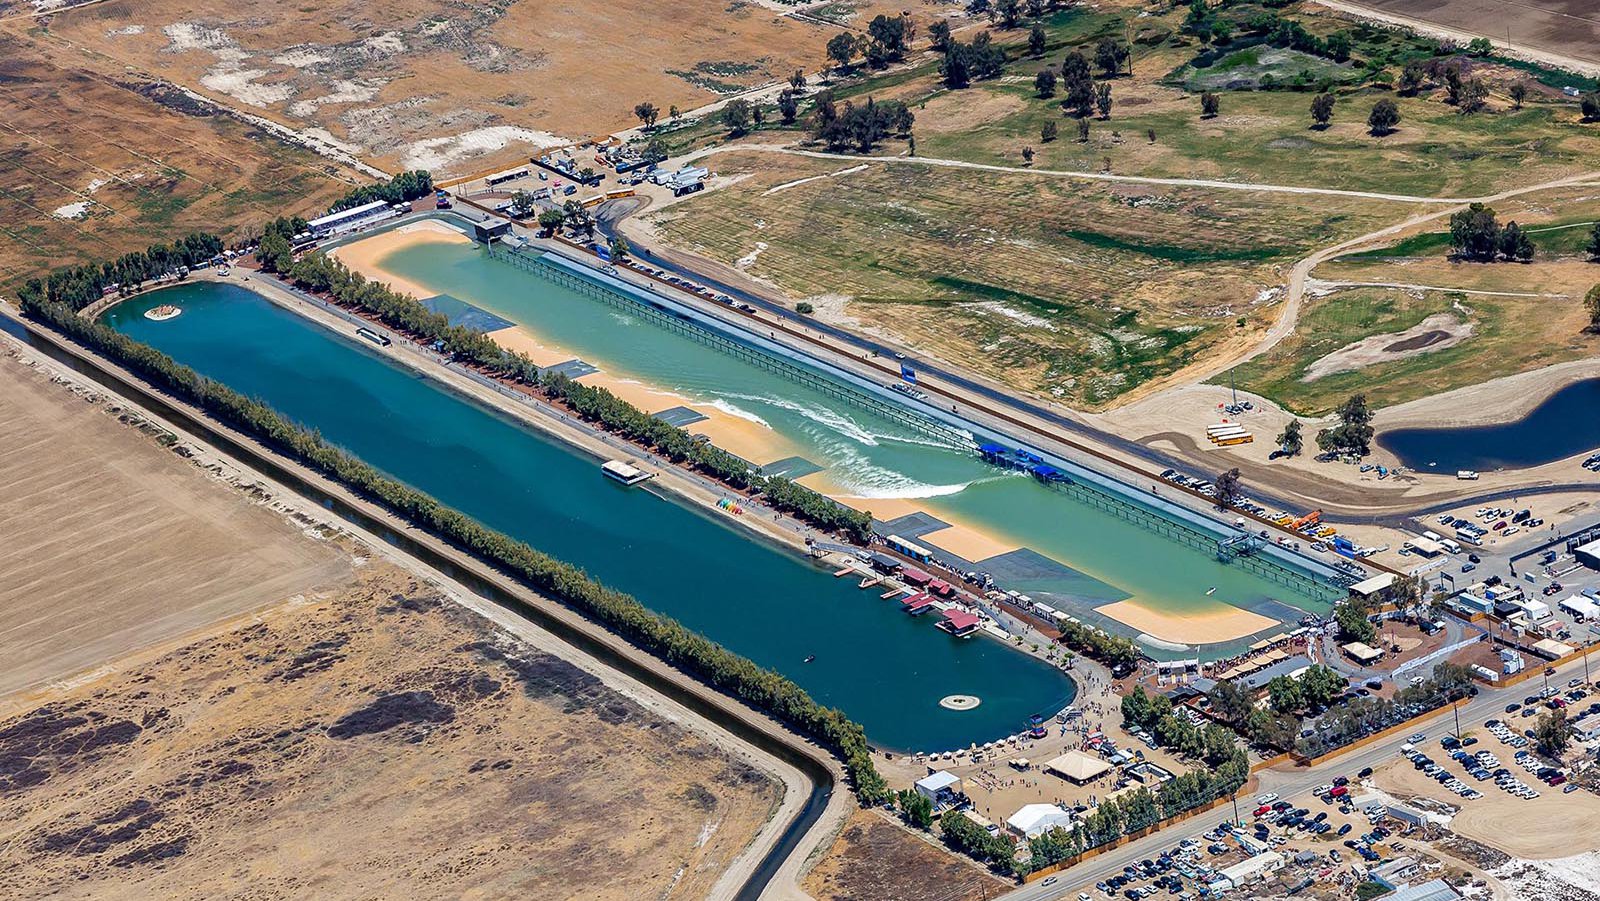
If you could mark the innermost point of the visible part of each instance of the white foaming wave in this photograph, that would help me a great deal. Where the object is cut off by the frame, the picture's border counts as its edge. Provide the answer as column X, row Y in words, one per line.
column 858, row 476
column 734, row 410
column 835, row 421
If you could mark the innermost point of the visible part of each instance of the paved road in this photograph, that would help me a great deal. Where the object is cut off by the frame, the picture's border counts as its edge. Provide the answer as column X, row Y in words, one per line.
column 1290, row 782
column 1079, row 175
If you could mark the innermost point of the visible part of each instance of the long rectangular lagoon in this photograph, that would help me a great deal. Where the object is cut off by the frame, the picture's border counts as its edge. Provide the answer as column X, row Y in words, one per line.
column 885, row 669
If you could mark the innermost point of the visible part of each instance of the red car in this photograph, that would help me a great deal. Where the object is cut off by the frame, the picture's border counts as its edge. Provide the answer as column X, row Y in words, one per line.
column 1262, row 810
column 1339, row 791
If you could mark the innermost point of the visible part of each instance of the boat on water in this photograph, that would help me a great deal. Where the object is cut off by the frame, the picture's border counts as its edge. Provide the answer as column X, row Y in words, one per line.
column 618, row 471
column 810, row 658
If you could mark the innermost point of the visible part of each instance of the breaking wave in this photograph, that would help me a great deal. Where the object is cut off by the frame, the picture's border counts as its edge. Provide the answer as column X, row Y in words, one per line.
column 842, row 424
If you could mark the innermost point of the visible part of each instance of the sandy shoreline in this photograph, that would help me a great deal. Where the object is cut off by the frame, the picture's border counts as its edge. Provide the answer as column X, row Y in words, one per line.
column 1225, row 624
column 363, row 255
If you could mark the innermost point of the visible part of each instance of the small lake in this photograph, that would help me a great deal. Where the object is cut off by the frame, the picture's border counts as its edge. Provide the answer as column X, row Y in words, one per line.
column 1567, row 423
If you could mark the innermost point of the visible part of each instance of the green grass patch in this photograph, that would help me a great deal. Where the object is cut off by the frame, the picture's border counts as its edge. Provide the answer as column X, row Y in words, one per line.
column 1563, row 238
column 1174, row 253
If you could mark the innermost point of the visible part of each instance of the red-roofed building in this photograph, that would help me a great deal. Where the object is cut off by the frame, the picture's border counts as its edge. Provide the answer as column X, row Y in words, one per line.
column 959, row 623
column 916, row 577
column 941, row 588
column 917, row 604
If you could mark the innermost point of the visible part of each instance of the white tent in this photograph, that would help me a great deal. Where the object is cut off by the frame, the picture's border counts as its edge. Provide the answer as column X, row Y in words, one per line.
column 1034, row 820
column 1581, row 607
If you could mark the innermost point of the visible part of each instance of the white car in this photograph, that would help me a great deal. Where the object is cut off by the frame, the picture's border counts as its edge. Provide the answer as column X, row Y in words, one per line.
column 1266, row 799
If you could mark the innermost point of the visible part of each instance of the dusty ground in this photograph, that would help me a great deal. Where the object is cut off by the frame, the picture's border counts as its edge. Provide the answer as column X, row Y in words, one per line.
column 1435, row 333
column 419, row 83
column 113, row 544
column 1564, row 30
column 99, row 162
column 1553, row 825
column 365, row 742
column 876, row 860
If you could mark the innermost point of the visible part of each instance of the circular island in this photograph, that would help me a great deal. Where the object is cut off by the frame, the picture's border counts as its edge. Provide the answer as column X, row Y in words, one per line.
column 162, row 313
column 959, row 702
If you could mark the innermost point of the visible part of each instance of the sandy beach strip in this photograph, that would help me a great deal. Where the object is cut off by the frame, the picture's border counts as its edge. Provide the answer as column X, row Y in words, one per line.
column 519, row 340
column 363, row 256
column 968, row 543
column 1223, row 622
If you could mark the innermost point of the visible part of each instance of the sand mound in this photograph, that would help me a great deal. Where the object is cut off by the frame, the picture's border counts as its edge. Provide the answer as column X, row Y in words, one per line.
column 1437, row 332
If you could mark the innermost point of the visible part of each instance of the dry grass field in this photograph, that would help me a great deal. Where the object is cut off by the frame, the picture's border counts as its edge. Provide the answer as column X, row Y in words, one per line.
column 269, row 715
column 1075, row 290
column 1099, row 294
column 1519, row 317
column 113, row 544
column 1568, row 28
column 100, row 162
column 372, row 741
column 874, row 860
column 453, row 87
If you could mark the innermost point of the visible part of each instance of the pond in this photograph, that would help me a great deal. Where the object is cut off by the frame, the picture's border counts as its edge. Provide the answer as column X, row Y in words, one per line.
column 1567, row 423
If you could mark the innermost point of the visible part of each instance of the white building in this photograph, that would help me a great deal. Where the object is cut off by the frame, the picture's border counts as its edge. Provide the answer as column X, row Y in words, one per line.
column 344, row 220
column 1536, row 611
column 1034, row 820
column 1425, row 547
column 1248, row 870
column 939, row 787
column 1580, row 608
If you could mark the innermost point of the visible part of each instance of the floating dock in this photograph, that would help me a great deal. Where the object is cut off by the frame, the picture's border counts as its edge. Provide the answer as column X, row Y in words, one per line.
column 618, row 471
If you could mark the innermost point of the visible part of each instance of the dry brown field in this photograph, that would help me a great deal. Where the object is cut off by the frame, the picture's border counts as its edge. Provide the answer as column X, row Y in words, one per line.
column 455, row 88
column 145, row 163
column 1569, row 28
column 372, row 741
column 873, row 860
column 112, row 543
column 1075, row 290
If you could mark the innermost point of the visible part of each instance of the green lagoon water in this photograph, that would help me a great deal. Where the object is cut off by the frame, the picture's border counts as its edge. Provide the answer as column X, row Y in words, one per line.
column 865, row 454
column 885, row 669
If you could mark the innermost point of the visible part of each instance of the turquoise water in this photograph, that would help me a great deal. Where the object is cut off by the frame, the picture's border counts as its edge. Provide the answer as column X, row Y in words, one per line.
column 885, row 669
column 866, row 455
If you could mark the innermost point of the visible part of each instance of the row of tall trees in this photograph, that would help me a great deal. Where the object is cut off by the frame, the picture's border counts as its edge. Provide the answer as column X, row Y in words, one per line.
column 662, row 636
column 324, row 274
column 1212, row 743
column 887, row 41
column 1349, row 721
column 78, row 286
column 1139, row 809
column 859, row 126
column 402, row 188
column 1475, row 234
column 1113, row 650
column 980, row 60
